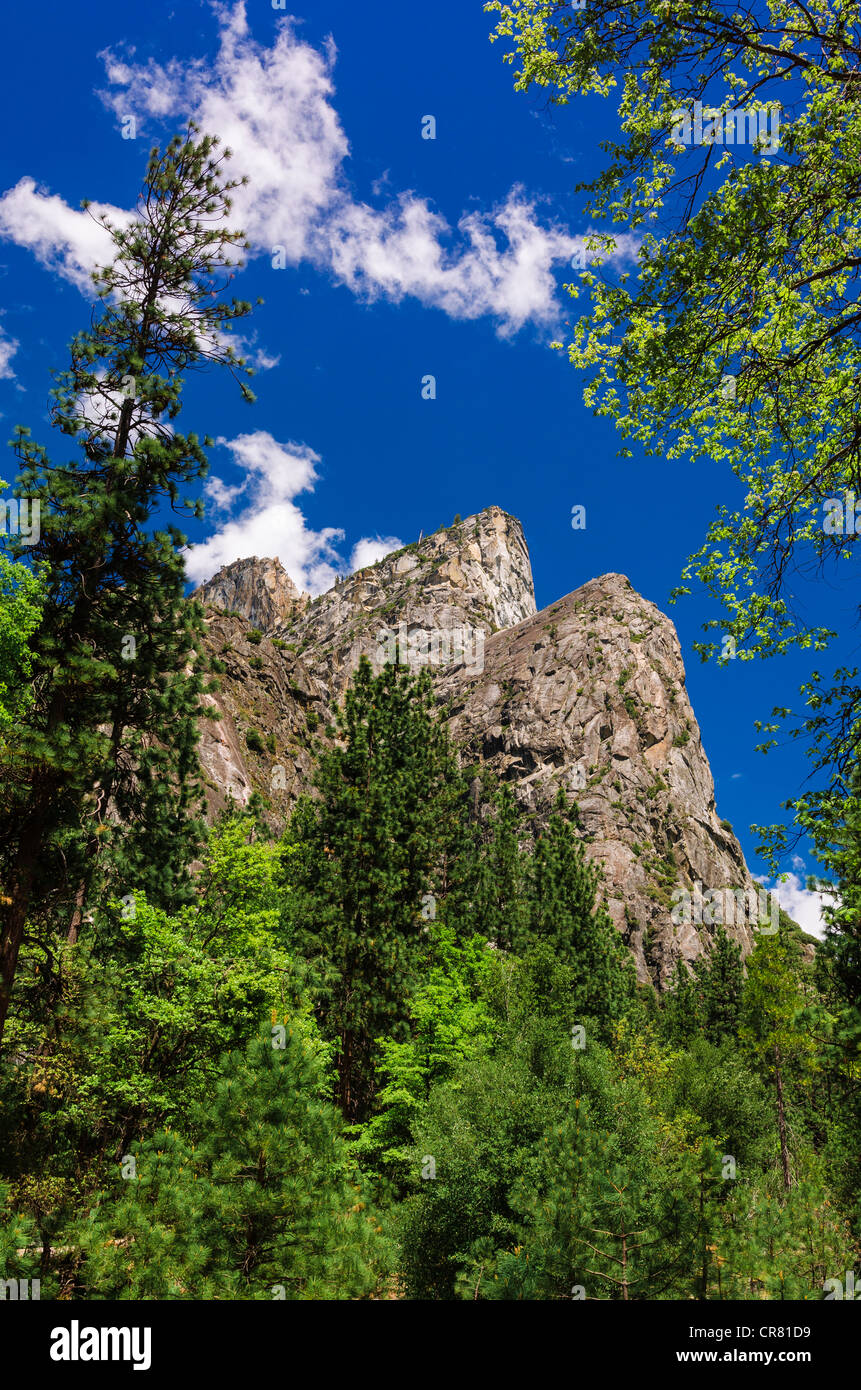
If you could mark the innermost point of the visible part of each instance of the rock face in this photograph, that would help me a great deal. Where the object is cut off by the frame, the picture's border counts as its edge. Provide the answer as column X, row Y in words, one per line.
column 587, row 697
column 467, row 581
column 259, row 590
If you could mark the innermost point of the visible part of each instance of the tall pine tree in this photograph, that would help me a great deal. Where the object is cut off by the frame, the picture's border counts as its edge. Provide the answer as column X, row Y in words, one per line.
column 111, row 734
column 368, row 861
column 563, row 912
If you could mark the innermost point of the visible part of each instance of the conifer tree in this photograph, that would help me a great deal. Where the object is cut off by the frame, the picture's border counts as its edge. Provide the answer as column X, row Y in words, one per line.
column 111, row 734
column 255, row 1199
column 20, row 1245
column 490, row 874
column 770, row 1023
column 366, row 859
column 720, row 976
column 563, row 911
column 680, row 1005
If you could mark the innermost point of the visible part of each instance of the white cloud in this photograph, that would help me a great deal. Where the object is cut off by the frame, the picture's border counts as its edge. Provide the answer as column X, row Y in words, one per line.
column 273, row 106
column 270, row 524
column 8, row 348
column 70, row 242
column 369, row 550
column 220, row 494
column 262, row 360
column 802, row 904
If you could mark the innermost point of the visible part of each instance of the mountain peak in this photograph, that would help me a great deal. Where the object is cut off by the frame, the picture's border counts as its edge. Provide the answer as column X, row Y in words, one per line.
column 259, row 590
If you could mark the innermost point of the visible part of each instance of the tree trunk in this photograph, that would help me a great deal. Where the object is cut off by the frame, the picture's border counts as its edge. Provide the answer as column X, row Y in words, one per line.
column 16, row 918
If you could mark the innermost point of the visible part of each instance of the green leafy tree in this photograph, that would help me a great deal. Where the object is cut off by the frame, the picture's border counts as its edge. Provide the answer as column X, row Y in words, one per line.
column 713, row 1092
column 449, row 1021
column 111, row 734
column 20, row 614
column 481, row 1130
column 738, row 339
column 130, row 1034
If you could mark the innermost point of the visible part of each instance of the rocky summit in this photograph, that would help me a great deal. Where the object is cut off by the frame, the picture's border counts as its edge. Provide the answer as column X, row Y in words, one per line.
column 259, row 590
column 587, row 697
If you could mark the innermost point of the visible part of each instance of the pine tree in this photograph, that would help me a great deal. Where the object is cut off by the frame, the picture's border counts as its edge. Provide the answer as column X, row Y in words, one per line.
column 770, row 1023
column 780, row 1248
column 366, row 859
column 256, row 1199
column 490, row 872
column 20, row 1245
column 562, row 911
column 681, row 1012
column 111, row 734
column 605, row 1209
column 720, row 977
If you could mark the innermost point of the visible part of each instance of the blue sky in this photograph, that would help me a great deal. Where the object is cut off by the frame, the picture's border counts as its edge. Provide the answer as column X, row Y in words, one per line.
column 404, row 257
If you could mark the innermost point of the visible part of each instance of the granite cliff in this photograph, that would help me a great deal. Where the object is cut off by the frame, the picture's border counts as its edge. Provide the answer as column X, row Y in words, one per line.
column 259, row 590
column 587, row 696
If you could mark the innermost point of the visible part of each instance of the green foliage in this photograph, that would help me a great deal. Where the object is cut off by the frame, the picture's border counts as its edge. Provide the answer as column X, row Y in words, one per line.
column 719, row 977
column 483, row 1123
column 109, row 739
column 20, row 1243
column 562, row 912
column 449, row 1020
column 20, row 613
column 711, row 1092
column 360, row 860
column 480, row 1130
column 604, row 1221
column 771, row 1028
column 256, row 1200
column 772, row 997
column 124, row 1032
column 527, row 1122
column 489, row 876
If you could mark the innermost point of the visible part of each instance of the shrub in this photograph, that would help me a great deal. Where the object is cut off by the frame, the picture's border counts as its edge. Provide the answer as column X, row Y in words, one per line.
column 254, row 741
